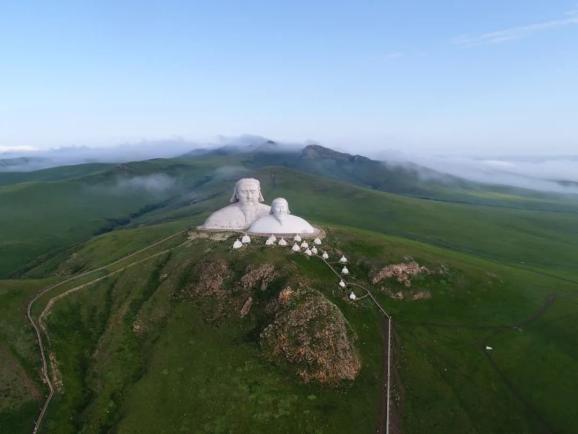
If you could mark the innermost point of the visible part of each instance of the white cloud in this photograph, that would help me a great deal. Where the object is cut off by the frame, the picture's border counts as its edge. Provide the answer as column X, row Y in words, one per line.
column 547, row 173
column 18, row 149
column 155, row 183
column 569, row 19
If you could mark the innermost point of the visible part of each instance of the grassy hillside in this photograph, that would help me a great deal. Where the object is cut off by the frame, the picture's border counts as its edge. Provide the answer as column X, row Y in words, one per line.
column 136, row 354
column 42, row 218
column 20, row 387
column 45, row 212
column 138, row 351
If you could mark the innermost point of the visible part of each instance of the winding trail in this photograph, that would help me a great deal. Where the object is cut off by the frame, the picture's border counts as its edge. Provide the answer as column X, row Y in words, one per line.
column 39, row 327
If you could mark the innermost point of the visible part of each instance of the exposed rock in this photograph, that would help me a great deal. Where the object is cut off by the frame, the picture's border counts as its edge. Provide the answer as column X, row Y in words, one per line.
column 211, row 277
column 312, row 334
column 246, row 307
column 402, row 272
column 258, row 276
column 285, row 295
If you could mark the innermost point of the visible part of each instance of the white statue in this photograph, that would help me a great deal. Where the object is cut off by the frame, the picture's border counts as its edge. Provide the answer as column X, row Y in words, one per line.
column 280, row 221
column 245, row 208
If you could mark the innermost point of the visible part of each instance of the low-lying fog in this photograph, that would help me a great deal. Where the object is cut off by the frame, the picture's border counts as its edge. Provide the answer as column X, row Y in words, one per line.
column 555, row 173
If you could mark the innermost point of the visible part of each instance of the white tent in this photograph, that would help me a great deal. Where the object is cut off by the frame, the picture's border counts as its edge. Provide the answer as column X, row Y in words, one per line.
column 237, row 244
column 317, row 241
column 246, row 239
column 282, row 242
column 343, row 260
column 344, row 270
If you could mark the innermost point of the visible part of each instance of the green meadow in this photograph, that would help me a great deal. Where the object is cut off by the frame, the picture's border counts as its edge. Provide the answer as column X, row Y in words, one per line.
column 134, row 353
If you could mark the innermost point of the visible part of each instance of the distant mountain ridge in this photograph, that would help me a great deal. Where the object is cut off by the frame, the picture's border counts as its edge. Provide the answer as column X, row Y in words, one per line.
column 16, row 163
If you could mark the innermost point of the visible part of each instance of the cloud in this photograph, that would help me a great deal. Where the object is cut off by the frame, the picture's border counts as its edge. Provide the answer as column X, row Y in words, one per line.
column 24, row 159
column 18, row 149
column 154, row 184
column 28, row 159
column 514, row 33
column 557, row 174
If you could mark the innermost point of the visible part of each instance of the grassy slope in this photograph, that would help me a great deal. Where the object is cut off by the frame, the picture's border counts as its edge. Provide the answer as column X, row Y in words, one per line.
column 20, row 388
column 54, row 174
column 37, row 218
column 443, row 370
column 44, row 217
column 174, row 366
column 448, row 385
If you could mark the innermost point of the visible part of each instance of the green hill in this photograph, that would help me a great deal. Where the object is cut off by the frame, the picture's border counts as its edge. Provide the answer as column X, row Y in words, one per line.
column 160, row 344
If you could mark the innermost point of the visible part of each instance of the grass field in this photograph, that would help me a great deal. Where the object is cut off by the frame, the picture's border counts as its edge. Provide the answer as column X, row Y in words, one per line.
column 510, row 282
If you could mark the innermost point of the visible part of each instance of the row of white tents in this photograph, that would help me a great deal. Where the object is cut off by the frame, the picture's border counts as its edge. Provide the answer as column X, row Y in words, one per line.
column 300, row 245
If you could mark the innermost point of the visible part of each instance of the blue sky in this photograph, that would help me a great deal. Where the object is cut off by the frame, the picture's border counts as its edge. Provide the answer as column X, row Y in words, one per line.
column 436, row 77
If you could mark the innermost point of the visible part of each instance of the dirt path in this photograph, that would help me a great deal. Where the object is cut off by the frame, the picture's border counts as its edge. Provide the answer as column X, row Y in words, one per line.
column 39, row 327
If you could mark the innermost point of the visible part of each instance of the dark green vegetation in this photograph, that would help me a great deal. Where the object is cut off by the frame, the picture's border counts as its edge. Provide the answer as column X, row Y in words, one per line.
column 136, row 353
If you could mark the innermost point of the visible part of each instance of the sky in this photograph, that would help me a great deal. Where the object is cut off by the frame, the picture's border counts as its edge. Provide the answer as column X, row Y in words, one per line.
column 445, row 77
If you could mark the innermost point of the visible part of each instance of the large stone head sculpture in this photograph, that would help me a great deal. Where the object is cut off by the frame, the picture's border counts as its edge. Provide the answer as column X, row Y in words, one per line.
column 247, row 191
column 280, row 208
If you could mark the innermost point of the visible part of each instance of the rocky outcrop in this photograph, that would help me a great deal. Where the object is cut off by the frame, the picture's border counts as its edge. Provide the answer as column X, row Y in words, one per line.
column 258, row 277
column 311, row 334
column 402, row 272
column 211, row 278
column 246, row 307
column 304, row 329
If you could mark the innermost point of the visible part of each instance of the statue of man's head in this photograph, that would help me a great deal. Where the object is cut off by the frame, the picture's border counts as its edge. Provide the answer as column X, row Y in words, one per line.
column 280, row 208
column 247, row 191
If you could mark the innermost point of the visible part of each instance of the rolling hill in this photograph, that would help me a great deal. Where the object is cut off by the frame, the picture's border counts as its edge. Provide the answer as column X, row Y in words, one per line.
column 157, row 346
